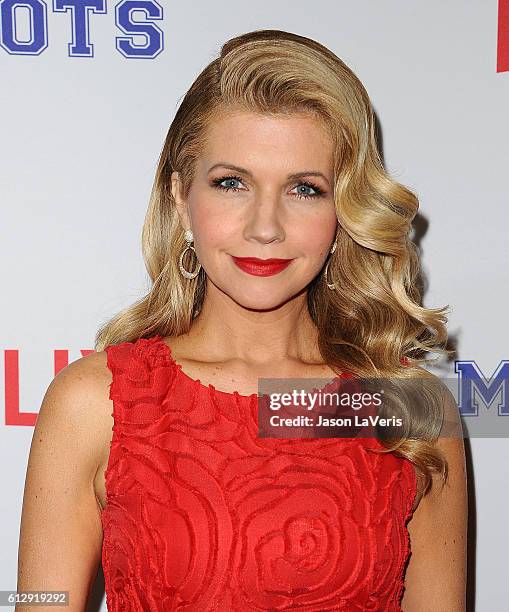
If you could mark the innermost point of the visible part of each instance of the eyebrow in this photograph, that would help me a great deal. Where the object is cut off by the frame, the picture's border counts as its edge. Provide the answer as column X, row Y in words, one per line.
column 296, row 175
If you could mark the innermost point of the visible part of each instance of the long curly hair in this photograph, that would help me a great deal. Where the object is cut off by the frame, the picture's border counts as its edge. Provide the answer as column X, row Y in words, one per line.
column 373, row 325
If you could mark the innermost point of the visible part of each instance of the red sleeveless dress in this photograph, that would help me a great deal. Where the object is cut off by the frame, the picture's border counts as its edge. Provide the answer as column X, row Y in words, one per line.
column 202, row 515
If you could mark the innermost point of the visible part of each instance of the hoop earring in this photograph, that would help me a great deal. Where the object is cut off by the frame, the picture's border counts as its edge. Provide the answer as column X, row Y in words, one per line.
column 188, row 236
column 331, row 286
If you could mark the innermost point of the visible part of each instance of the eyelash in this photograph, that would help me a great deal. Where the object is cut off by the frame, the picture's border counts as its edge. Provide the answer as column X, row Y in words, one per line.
column 319, row 192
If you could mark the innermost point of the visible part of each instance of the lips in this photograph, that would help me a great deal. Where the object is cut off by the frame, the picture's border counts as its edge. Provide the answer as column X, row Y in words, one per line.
column 261, row 267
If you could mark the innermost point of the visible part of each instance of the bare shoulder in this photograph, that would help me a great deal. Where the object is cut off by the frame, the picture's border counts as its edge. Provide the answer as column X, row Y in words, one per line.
column 77, row 400
column 86, row 382
column 451, row 427
column 451, row 422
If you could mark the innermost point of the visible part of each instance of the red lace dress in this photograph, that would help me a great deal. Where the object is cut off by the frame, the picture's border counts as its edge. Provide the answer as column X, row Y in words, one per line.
column 203, row 515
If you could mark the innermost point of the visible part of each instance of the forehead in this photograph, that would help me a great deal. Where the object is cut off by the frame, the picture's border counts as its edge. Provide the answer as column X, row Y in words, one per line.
column 291, row 140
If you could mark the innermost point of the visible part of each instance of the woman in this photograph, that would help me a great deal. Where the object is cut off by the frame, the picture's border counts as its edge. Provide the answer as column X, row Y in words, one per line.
column 278, row 247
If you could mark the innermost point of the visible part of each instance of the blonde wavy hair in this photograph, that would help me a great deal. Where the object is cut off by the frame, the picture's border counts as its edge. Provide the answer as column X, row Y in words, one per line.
column 374, row 321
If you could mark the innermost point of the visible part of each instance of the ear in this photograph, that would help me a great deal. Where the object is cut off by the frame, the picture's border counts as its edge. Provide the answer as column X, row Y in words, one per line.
column 181, row 204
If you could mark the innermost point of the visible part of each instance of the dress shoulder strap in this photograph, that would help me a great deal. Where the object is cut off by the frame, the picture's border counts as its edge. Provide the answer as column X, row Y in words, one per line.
column 142, row 377
column 118, row 356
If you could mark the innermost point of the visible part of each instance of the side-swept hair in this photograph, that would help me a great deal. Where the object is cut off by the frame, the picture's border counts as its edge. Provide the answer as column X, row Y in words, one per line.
column 373, row 325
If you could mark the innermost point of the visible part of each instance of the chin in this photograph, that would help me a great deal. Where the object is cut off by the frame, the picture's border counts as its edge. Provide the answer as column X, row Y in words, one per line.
column 262, row 302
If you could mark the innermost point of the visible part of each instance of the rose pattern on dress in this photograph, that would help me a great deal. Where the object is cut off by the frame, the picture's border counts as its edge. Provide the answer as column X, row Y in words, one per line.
column 203, row 515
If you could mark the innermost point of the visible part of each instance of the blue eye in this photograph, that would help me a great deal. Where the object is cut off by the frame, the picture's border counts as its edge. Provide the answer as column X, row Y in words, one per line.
column 305, row 184
column 218, row 184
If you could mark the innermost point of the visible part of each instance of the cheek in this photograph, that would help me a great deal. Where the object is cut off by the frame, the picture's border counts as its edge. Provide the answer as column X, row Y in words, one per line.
column 315, row 228
column 315, row 239
column 217, row 235
column 209, row 220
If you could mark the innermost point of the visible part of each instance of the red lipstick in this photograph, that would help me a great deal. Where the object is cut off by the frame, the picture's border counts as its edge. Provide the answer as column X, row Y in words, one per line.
column 261, row 267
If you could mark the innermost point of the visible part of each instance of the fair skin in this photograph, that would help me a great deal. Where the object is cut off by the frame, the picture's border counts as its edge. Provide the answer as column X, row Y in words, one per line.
column 248, row 322
column 250, row 327
column 436, row 575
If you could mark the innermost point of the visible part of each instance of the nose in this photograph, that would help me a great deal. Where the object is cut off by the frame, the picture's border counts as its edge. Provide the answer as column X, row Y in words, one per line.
column 264, row 222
